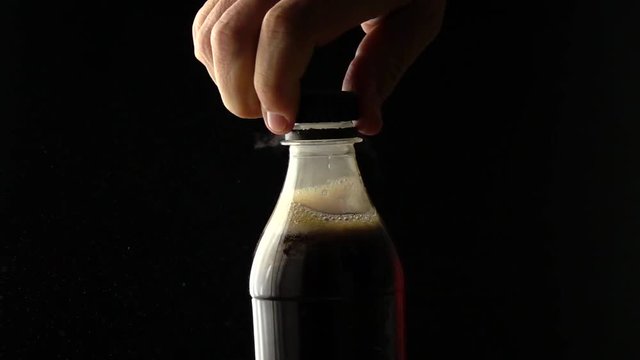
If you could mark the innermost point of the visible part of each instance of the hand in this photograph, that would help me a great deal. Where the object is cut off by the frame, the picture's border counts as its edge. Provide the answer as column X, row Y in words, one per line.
column 256, row 51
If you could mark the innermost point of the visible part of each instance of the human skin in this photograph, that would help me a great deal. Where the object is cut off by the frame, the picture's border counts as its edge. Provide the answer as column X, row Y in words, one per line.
column 256, row 51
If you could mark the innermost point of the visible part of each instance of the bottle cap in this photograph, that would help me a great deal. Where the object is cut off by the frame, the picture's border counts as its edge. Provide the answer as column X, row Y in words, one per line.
column 327, row 106
column 325, row 115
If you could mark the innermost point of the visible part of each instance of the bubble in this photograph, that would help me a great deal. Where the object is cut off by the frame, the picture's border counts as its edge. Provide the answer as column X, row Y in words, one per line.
column 303, row 219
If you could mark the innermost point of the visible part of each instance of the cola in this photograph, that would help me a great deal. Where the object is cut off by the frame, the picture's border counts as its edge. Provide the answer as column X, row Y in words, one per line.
column 336, row 290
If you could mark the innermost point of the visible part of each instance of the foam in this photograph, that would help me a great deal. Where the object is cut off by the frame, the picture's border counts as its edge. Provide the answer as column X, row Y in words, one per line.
column 341, row 196
column 341, row 204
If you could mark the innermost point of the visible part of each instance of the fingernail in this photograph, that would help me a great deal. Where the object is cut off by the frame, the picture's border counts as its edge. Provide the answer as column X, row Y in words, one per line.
column 276, row 122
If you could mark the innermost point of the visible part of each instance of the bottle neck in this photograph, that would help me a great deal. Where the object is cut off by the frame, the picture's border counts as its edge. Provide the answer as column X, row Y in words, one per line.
column 317, row 163
column 325, row 174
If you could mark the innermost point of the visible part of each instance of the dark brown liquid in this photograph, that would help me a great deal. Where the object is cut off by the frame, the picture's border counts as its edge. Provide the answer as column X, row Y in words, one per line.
column 334, row 294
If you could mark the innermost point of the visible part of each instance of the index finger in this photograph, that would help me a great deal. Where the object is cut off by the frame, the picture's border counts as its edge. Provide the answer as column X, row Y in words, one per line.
column 290, row 32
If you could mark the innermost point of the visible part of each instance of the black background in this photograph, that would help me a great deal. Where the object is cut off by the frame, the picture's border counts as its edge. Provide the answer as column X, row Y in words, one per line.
column 507, row 172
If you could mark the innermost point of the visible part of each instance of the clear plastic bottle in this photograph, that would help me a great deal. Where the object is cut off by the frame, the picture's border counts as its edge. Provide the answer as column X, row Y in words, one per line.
column 326, row 281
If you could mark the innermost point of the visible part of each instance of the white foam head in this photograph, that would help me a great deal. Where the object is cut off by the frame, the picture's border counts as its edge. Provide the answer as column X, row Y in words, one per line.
column 341, row 196
column 340, row 204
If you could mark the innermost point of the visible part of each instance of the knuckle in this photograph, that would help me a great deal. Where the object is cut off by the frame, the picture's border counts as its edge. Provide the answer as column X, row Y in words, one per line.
column 285, row 20
column 199, row 19
column 203, row 12
column 200, row 48
column 225, row 36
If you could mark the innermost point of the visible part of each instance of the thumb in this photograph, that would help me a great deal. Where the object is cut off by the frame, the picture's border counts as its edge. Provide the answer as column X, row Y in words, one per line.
column 391, row 45
column 290, row 32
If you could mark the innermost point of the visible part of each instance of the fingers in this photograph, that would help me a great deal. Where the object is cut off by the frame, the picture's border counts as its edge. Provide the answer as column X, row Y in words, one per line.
column 391, row 44
column 290, row 31
column 234, row 41
column 203, row 24
column 225, row 36
column 201, row 15
column 257, row 51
